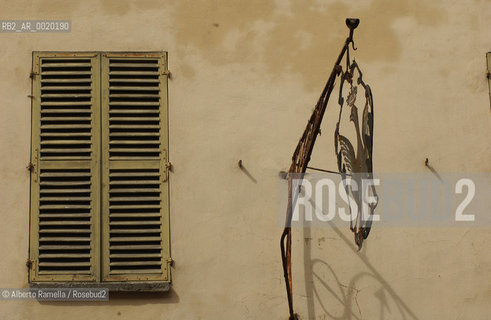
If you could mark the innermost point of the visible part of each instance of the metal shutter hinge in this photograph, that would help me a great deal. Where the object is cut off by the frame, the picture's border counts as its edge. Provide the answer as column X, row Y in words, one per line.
column 167, row 73
column 170, row 262
column 32, row 167
column 30, row 264
column 32, row 74
column 167, row 165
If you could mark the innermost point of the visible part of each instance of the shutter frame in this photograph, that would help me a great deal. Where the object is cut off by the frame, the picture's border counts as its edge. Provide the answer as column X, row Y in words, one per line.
column 58, row 167
column 99, row 176
column 130, row 165
column 488, row 60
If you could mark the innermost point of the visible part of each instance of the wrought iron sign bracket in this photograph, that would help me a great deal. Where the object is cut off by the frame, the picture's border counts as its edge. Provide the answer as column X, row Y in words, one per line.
column 349, row 163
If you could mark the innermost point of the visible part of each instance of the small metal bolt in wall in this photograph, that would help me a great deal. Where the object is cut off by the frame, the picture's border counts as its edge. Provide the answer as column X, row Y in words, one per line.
column 283, row 175
column 426, row 162
column 240, row 164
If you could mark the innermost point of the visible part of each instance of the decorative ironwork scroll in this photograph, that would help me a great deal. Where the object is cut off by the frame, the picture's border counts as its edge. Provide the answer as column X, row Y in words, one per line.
column 351, row 163
column 358, row 164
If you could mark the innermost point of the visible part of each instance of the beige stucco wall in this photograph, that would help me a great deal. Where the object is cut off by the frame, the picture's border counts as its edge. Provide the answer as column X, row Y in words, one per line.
column 246, row 75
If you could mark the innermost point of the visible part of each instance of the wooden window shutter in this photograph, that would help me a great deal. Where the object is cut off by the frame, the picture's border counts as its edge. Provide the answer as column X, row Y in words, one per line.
column 65, row 183
column 135, row 192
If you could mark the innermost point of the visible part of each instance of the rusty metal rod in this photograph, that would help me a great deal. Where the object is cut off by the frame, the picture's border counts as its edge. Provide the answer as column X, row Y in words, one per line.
column 329, row 171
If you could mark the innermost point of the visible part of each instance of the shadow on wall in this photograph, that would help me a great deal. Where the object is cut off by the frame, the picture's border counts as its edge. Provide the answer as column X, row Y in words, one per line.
column 124, row 299
column 346, row 295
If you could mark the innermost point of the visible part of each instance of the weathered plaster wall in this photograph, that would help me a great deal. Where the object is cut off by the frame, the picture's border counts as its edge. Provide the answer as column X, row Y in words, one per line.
column 246, row 75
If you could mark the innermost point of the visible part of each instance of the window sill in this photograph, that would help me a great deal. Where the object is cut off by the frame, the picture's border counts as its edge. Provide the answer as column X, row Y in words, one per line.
column 127, row 286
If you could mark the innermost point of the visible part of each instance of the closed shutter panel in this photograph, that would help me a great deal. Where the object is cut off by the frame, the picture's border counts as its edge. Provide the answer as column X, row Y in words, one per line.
column 135, row 179
column 65, row 183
